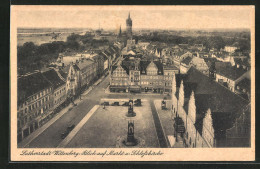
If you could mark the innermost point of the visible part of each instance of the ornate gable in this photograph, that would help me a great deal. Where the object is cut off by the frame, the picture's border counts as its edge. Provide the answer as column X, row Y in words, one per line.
column 152, row 69
column 192, row 108
column 181, row 94
column 208, row 130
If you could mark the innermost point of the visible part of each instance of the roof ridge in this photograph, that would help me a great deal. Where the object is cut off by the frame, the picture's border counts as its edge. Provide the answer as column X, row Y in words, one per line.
column 217, row 83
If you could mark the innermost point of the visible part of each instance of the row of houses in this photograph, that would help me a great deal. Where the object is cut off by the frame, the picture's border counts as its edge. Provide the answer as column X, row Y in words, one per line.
column 43, row 93
column 212, row 115
column 230, row 70
column 227, row 74
column 39, row 94
column 137, row 75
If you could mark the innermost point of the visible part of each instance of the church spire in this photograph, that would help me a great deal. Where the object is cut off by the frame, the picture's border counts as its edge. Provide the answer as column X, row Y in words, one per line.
column 129, row 15
column 120, row 31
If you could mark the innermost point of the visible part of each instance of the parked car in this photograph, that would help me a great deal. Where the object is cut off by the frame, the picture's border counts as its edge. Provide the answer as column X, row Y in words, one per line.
column 68, row 130
column 115, row 104
column 71, row 127
column 105, row 103
column 125, row 104
column 138, row 102
column 163, row 105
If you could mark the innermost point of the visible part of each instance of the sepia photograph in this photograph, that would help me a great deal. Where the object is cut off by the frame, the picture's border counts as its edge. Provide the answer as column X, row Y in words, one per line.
column 123, row 83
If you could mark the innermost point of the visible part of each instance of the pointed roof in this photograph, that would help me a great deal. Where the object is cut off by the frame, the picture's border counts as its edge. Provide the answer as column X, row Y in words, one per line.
column 129, row 18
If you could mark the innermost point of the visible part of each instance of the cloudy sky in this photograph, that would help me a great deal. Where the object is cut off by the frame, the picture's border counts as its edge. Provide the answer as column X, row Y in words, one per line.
column 111, row 17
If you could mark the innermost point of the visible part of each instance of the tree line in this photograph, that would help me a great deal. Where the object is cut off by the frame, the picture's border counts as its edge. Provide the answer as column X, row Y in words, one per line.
column 217, row 42
column 32, row 57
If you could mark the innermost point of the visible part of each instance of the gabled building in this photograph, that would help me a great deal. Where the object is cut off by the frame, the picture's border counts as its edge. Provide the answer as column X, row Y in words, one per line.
column 152, row 79
column 185, row 65
column 209, row 111
column 137, row 75
column 178, row 57
column 119, row 80
column 73, row 81
column 80, row 75
column 229, row 76
column 200, row 64
column 240, row 62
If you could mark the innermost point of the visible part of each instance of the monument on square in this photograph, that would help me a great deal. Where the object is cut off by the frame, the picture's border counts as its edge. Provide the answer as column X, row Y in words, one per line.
column 130, row 140
column 131, row 112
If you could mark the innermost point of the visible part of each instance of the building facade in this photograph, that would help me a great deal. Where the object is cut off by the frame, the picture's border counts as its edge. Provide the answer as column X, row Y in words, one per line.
column 152, row 79
column 59, row 87
column 119, row 80
column 169, row 72
column 138, row 76
column 34, row 103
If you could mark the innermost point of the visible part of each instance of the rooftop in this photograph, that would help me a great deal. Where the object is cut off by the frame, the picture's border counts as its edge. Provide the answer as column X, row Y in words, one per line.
column 230, row 72
column 31, row 84
column 224, row 104
column 53, row 77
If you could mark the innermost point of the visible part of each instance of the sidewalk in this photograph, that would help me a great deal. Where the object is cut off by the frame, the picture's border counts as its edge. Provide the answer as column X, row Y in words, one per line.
column 26, row 141
column 165, row 117
column 158, row 126
column 72, row 134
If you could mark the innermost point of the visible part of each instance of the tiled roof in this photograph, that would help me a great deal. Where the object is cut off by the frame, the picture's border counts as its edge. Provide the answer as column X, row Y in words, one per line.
column 245, row 84
column 113, row 68
column 187, row 60
column 84, row 63
column 53, row 77
column 31, row 84
column 160, row 67
column 231, row 72
column 128, row 65
column 103, row 55
column 64, row 72
column 143, row 65
column 242, row 62
column 170, row 67
column 224, row 104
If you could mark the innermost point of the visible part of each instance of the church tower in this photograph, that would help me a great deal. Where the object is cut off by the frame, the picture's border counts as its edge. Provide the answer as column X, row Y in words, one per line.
column 120, row 32
column 129, row 27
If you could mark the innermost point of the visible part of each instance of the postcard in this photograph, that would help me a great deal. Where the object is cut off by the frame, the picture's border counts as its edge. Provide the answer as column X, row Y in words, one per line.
column 132, row 83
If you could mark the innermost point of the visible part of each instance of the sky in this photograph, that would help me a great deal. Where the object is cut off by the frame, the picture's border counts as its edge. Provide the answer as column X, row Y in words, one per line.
column 154, row 17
